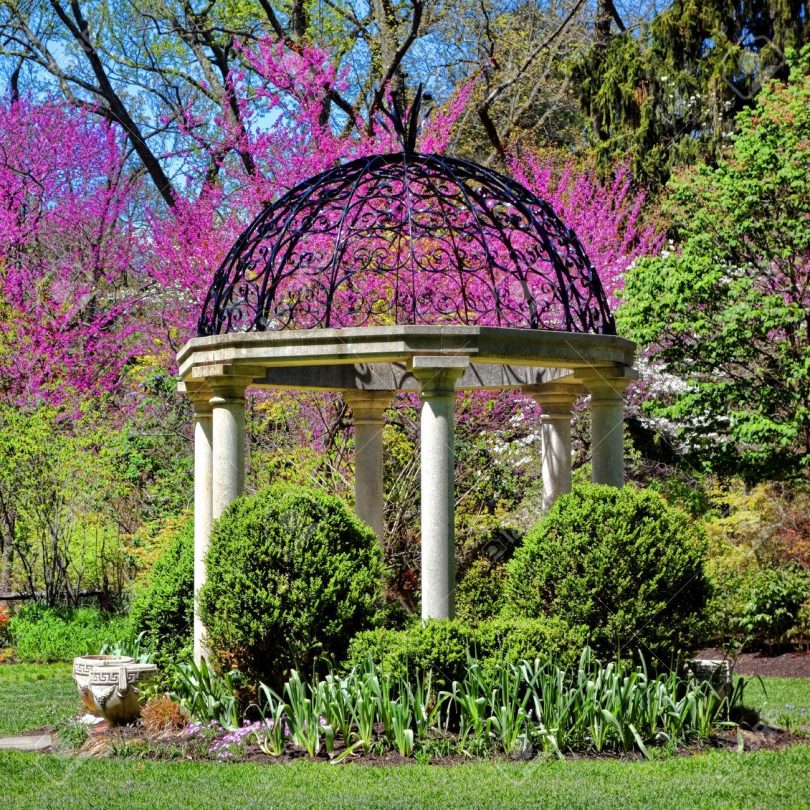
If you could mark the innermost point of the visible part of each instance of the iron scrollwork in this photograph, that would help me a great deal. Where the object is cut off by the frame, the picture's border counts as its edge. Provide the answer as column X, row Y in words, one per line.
column 407, row 238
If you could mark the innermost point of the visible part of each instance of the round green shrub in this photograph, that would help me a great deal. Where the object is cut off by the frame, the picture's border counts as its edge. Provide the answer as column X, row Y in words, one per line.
column 292, row 575
column 619, row 562
column 164, row 610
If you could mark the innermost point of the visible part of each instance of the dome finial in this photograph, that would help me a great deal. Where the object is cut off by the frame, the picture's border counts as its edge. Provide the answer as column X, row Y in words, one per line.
column 406, row 122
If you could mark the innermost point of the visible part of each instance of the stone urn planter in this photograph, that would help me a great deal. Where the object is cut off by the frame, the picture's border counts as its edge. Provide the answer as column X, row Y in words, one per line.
column 84, row 665
column 716, row 671
column 116, row 690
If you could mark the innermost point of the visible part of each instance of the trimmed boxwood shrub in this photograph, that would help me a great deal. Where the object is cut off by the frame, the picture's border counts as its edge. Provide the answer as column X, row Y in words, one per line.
column 518, row 639
column 443, row 647
column 164, row 610
column 292, row 575
column 621, row 563
column 440, row 647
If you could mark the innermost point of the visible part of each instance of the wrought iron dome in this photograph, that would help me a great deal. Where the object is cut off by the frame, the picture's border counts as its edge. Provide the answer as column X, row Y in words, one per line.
column 407, row 238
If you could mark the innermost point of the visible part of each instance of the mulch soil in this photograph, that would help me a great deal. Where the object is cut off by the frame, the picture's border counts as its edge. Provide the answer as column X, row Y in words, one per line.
column 778, row 665
column 106, row 741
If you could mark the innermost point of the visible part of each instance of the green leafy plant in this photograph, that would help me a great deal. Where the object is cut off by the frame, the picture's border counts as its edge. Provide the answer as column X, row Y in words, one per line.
column 800, row 632
column 135, row 647
column 205, row 695
column 292, row 576
column 400, row 720
column 364, row 713
column 471, row 700
column 163, row 613
column 335, row 701
column 524, row 707
column 272, row 738
column 509, row 717
column 70, row 735
column 42, row 635
column 774, row 598
column 426, row 708
column 303, row 715
column 621, row 564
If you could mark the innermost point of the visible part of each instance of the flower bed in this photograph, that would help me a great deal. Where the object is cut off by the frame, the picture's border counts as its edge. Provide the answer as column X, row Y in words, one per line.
column 521, row 711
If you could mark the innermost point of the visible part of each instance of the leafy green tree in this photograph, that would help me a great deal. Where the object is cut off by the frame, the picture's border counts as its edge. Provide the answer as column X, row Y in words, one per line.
column 728, row 311
column 57, row 493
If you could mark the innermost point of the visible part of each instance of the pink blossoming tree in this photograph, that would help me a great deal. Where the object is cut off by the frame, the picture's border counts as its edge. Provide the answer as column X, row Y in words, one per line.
column 93, row 275
column 71, row 289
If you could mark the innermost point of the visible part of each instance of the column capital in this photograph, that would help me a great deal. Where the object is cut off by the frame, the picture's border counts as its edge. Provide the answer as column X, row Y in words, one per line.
column 226, row 382
column 608, row 386
column 556, row 399
column 202, row 408
column 228, row 389
column 199, row 394
column 367, row 406
column 437, row 375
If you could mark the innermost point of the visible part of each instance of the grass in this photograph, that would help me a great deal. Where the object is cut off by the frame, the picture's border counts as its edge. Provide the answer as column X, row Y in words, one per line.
column 712, row 780
column 778, row 699
column 35, row 695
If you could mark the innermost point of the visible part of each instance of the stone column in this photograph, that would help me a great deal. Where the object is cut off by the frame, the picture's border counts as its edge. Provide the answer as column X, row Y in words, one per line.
column 607, row 430
column 437, row 377
column 203, row 459
column 219, row 470
column 228, row 430
column 555, row 430
column 368, row 408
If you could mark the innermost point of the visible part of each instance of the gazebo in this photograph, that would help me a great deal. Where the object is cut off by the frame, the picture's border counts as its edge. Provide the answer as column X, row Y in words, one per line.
column 405, row 272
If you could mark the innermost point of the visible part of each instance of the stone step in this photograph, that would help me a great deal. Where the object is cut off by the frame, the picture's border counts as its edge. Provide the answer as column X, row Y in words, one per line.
column 30, row 742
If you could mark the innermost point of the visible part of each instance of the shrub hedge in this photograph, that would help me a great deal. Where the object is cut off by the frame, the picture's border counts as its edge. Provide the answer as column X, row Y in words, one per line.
column 292, row 576
column 480, row 594
column 619, row 562
column 443, row 647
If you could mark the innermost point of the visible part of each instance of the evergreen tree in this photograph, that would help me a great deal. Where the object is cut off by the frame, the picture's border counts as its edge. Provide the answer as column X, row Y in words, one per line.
column 668, row 94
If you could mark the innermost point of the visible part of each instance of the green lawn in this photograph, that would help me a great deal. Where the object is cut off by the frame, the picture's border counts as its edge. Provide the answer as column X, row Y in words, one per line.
column 35, row 695
column 721, row 780
column 32, row 696
column 776, row 698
